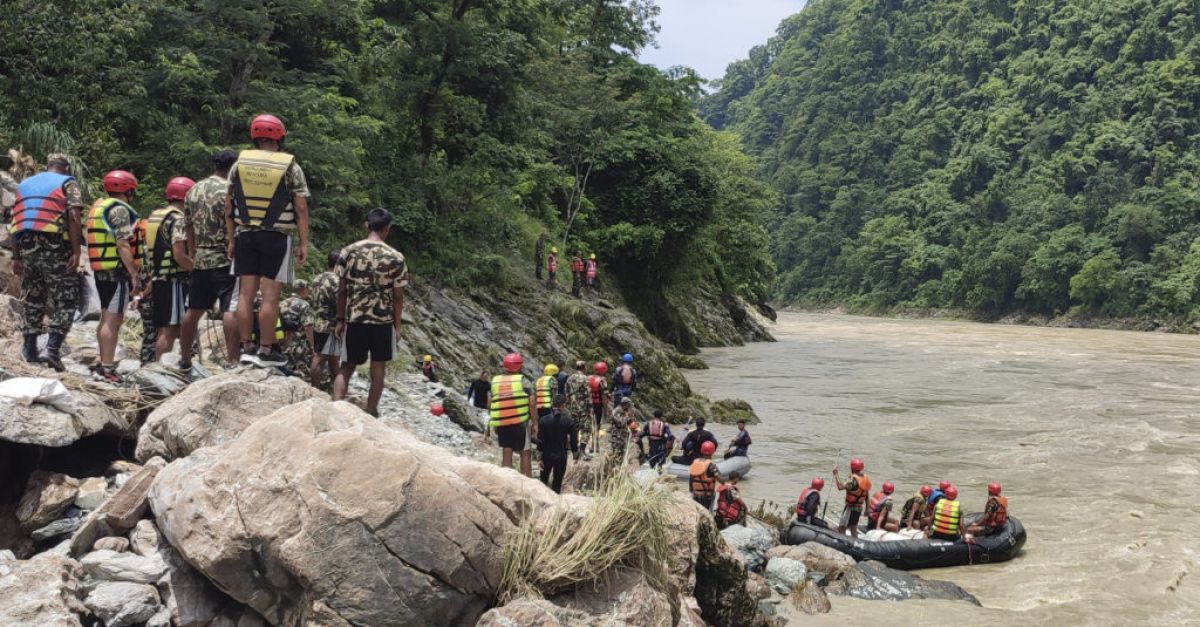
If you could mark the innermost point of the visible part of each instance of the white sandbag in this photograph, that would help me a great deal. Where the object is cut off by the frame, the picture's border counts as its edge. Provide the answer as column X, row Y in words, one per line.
column 30, row 390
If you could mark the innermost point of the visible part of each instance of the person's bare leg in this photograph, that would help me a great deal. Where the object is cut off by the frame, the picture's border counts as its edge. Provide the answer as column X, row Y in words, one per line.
column 506, row 458
column 342, row 381
column 269, row 312
column 335, row 364
column 165, row 341
column 106, row 336
column 525, row 464
column 245, row 308
column 187, row 333
column 378, row 370
column 314, row 370
column 233, row 345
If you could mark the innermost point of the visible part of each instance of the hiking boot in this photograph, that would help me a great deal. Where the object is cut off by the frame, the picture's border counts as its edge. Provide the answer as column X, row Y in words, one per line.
column 250, row 355
column 109, row 374
column 53, row 356
column 29, row 350
column 272, row 357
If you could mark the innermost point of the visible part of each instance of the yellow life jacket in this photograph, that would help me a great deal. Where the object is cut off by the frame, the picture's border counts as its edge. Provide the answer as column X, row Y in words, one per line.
column 102, row 239
column 946, row 517
column 510, row 401
column 545, row 391
column 159, row 255
column 259, row 188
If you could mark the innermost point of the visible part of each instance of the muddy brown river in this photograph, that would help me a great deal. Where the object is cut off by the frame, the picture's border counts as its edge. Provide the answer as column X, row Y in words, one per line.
column 1094, row 435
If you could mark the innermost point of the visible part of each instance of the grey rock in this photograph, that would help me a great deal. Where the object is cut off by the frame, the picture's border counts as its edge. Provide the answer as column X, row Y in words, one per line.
column 120, row 603
column 71, row 520
column 125, row 567
column 42, row 591
column 115, row 544
column 816, row 557
column 874, row 581
column 145, row 538
column 120, row 512
column 161, row 618
column 191, row 600
column 44, row 425
column 92, row 493
column 811, row 599
column 47, row 495
column 751, row 542
column 786, row 573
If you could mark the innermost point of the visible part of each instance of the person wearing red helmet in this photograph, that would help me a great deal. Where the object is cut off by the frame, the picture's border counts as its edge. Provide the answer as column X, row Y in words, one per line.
column 880, row 507
column 170, row 264
column 809, row 503
column 211, row 282
column 995, row 513
column 370, row 306
column 857, row 487
column 598, row 387
column 113, row 255
column 914, row 508
column 266, row 205
column 703, row 476
column 947, row 517
column 510, row 417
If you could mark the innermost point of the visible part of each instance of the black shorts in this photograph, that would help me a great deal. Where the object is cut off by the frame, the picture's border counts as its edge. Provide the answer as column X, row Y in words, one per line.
column 515, row 437
column 114, row 295
column 378, row 341
column 209, row 287
column 326, row 344
column 264, row 254
column 850, row 517
column 598, row 412
column 170, row 301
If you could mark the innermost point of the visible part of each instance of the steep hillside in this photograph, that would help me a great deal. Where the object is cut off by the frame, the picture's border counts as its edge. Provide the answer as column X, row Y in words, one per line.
column 995, row 156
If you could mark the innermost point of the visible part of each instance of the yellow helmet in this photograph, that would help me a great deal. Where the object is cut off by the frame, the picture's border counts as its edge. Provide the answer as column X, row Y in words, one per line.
column 592, row 256
column 428, row 358
column 551, row 370
column 554, row 249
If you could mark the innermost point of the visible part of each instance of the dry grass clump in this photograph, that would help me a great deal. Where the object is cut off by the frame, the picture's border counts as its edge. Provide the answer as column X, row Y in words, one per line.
column 129, row 401
column 626, row 525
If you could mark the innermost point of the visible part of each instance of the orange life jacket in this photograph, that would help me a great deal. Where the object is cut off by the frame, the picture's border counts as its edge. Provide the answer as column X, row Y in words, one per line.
column 876, row 505
column 728, row 508
column 1001, row 515
column 576, row 264
column 702, row 485
column 946, row 517
column 596, row 382
column 552, row 262
column 856, row 497
column 800, row 511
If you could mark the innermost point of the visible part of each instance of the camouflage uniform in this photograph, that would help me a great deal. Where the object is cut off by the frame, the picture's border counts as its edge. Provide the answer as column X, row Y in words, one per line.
column 579, row 403
column 204, row 211
column 618, row 437
column 146, row 312
column 296, row 315
column 322, row 294
column 371, row 270
column 49, row 288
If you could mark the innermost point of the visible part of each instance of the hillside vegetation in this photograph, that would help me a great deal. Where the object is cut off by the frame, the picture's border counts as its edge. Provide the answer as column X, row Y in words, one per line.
column 997, row 156
column 479, row 124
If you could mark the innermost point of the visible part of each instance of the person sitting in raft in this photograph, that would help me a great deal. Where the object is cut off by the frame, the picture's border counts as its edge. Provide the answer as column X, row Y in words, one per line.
column 692, row 443
column 914, row 509
column 809, row 504
column 731, row 509
column 880, row 508
column 995, row 513
column 947, row 516
column 740, row 447
column 934, row 497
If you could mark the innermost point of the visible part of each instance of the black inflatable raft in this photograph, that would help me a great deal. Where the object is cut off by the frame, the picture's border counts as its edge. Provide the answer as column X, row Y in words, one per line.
column 914, row 554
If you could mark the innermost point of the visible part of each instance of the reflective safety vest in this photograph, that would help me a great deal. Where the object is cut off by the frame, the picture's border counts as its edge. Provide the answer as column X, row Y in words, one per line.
column 545, row 391
column 876, row 505
column 801, row 512
column 596, row 383
column 658, row 430
column 591, row 269
column 510, row 401
column 159, row 255
column 102, row 239
column 1001, row 515
column 729, row 508
column 259, row 188
column 576, row 264
column 702, row 485
column 41, row 203
column 946, row 517
column 279, row 332
column 857, row 497
column 552, row 262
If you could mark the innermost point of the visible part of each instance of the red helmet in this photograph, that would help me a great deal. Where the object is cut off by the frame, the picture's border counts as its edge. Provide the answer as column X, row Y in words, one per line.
column 178, row 187
column 600, row 368
column 856, row 465
column 818, row 483
column 119, row 182
column 951, row 493
column 513, row 362
column 437, row 410
column 708, row 448
column 888, row 487
column 943, row 485
column 267, row 126
column 994, row 489
column 926, row 491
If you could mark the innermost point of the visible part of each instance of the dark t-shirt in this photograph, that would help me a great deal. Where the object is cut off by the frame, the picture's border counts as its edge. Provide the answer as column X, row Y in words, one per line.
column 557, row 433
column 479, row 392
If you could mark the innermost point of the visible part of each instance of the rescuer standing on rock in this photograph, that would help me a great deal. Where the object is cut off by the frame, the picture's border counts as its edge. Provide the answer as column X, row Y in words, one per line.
column 166, row 241
column 556, row 433
column 370, row 305
column 46, row 234
column 112, row 253
column 323, row 297
column 511, row 397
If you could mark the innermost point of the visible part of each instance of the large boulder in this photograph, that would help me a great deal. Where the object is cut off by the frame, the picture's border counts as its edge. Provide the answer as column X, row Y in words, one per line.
column 41, row 591
column 216, row 410
column 816, row 557
column 875, row 581
column 752, row 540
column 58, row 425
column 47, row 495
column 784, row 574
column 120, row 604
column 319, row 513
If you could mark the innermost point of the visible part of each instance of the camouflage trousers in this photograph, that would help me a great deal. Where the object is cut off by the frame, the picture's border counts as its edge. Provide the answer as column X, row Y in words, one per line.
column 587, row 426
column 48, row 288
column 299, row 355
column 618, row 443
column 149, row 331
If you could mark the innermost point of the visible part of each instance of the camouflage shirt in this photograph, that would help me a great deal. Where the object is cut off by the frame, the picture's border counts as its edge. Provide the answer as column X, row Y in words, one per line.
column 296, row 185
column 579, row 395
column 323, row 297
column 204, row 212
column 122, row 227
column 295, row 314
column 371, row 270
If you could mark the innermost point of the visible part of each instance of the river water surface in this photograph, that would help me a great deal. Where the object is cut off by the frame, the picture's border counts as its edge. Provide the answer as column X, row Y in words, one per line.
column 1093, row 434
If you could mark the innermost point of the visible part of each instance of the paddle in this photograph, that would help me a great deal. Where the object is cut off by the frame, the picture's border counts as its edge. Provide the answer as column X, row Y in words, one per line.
column 836, row 462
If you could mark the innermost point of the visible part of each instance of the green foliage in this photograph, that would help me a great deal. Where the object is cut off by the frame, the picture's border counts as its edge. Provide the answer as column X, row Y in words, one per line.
column 976, row 154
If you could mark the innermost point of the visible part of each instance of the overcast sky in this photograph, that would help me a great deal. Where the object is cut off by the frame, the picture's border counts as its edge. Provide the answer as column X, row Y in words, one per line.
column 709, row 34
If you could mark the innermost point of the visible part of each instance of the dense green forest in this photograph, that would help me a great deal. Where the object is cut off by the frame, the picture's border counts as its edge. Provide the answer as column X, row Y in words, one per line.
column 480, row 124
column 1032, row 155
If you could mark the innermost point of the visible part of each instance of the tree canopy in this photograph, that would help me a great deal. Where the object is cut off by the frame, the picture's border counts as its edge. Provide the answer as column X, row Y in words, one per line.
column 1033, row 155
